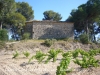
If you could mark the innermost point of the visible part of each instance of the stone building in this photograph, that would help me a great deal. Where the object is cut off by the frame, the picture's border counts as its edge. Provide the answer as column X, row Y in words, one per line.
column 49, row 29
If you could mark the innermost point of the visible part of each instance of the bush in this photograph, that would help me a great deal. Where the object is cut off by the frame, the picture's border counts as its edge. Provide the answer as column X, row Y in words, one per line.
column 40, row 56
column 26, row 36
column 84, row 38
column 49, row 42
column 52, row 54
column 3, row 35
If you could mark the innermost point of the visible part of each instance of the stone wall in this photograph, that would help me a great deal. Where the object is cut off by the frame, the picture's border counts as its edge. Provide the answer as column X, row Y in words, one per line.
column 49, row 29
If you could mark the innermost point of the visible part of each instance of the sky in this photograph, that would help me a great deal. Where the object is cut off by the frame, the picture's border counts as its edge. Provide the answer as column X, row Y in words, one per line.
column 63, row 7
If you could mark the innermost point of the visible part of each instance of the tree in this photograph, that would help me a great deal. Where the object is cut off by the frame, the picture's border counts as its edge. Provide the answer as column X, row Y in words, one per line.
column 17, row 21
column 1, row 6
column 51, row 15
column 86, row 17
column 25, row 10
column 7, row 7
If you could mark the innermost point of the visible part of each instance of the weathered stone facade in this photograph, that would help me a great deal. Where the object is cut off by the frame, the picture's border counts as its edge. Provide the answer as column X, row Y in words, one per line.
column 49, row 29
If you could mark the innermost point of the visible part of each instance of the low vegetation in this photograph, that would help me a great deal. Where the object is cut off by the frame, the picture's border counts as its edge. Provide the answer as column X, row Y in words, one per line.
column 16, row 54
column 84, row 38
column 3, row 35
column 49, row 42
column 84, row 59
column 26, row 36
column 52, row 54
column 26, row 54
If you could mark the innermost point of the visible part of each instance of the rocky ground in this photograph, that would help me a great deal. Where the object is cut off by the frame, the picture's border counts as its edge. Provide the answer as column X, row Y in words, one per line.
column 20, row 65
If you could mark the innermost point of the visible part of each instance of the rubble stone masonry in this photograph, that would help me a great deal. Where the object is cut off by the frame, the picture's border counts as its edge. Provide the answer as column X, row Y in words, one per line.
column 49, row 29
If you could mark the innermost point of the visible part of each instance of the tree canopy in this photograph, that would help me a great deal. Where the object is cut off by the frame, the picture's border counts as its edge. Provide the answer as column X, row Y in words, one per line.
column 51, row 15
column 86, row 17
column 25, row 9
column 15, row 15
column 7, row 8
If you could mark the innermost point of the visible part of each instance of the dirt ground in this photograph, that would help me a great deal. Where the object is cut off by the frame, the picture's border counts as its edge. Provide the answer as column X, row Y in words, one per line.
column 20, row 65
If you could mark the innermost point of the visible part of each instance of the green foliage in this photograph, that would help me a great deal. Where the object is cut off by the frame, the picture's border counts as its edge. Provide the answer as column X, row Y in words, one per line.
column 88, row 59
column 25, row 9
column 49, row 42
column 67, row 54
column 84, row 18
column 16, row 54
column 3, row 35
column 26, row 36
column 31, row 59
column 83, row 52
column 8, row 7
column 51, row 15
column 93, row 52
column 84, row 38
column 27, row 54
column 75, row 53
column 87, row 62
column 52, row 55
column 40, row 56
column 62, row 69
column 68, row 39
column 18, row 21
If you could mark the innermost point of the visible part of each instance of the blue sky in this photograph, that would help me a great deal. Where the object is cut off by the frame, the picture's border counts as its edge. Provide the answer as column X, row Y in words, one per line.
column 63, row 7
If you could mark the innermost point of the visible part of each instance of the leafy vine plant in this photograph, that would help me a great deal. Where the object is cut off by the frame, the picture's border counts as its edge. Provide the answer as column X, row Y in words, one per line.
column 87, row 58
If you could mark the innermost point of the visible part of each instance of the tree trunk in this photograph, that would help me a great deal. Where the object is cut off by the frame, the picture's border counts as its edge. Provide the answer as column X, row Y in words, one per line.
column 0, row 25
column 87, row 29
column 93, row 33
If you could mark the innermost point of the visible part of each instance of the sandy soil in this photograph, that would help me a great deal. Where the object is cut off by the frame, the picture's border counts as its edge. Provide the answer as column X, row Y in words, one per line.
column 20, row 66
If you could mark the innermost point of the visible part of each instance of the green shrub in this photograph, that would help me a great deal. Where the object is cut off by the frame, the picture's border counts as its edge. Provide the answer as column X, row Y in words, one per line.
column 40, row 56
column 52, row 55
column 49, row 42
column 84, row 38
column 87, row 62
column 25, row 36
column 67, row 54
column 3, row 35
column 63, row 68
column 75, row 53
column 68, row 39
column 26, row 54
column 93, row 52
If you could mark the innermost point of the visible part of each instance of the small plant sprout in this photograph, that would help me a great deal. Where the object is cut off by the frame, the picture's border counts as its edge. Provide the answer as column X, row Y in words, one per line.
column 75, row 53
column 52, row 55
column 31, row 59
column 87, row 61
column 40, row 56
column 67, row 54
column 26, row 54
column 16, row 54
column 62, row 69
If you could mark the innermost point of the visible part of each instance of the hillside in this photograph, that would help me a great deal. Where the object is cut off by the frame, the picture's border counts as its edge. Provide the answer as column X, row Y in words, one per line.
column 20, row 66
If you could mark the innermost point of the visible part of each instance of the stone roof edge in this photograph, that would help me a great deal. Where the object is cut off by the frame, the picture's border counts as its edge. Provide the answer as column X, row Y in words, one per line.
column 48, row 21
